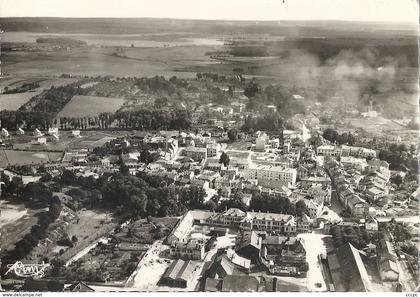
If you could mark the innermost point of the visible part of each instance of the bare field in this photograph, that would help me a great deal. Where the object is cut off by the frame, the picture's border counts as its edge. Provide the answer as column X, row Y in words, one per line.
column 14, row 101
column 84, row 106
column 11, row 157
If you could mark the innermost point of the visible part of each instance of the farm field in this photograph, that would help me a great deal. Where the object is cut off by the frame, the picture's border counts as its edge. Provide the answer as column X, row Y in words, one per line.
column 84, row 106
column 93, row 62
column 14, row 101
column 11, row 157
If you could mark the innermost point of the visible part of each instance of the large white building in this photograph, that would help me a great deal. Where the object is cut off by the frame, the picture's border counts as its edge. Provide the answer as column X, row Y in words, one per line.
column 273, row 173
column 328, row 150
column 357, row 151
column 345, row 150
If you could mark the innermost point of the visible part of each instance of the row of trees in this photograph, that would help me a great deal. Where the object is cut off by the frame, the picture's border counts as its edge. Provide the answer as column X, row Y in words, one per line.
column 54, row 99
column 25, row 87
column 142, row 119
column 12, row 120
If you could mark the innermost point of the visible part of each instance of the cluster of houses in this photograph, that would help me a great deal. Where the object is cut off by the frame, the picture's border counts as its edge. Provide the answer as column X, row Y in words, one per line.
column 264, row 241
column 40, row 138
column 359, row 186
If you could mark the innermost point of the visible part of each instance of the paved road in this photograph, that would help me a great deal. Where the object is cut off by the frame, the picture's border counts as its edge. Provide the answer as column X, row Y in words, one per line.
column 85, row 251
column 314, row 246
column 406, row 278
column 336, row 203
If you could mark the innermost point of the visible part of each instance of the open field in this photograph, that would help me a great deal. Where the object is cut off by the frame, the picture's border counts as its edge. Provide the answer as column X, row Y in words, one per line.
column 10, row 157
column 11, row 213
column 126, row 40
column 380, row 126
column 14, row 101
column 88, row 226
column 100, row 61
column 44, row 82
column 84, row 106
column 15, row 222
column 91, row 225
column 67, row 140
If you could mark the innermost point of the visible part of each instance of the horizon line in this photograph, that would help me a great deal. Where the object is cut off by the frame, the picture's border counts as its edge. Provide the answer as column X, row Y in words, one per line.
column 218, row 20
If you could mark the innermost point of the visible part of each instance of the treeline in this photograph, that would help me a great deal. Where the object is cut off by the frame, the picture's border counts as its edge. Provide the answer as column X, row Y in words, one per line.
column 25, row 87
column 12, row 120
column 143, row 119
column 249, row 51
column 62, row 41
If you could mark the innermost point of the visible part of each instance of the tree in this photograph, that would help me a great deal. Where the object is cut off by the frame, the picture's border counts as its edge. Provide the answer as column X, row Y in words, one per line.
column 397, row 180
column 46, row 177
column 55, row 286
column 124, row 170
column 147, row 157
column 161, row 102
column 15, row 186
column 233, row 135
column 330, row 135
column 37, row 192
column 210, row 205
column 68, row 177
column 55, row 210
column 224, row 159
column 301, row 208
column 252, row 88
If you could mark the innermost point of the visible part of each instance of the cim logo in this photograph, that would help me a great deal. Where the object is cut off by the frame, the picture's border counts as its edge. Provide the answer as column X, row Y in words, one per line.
column 27, row 270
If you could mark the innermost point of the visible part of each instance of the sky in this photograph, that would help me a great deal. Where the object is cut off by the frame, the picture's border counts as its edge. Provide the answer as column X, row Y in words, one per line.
column 349, row 10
